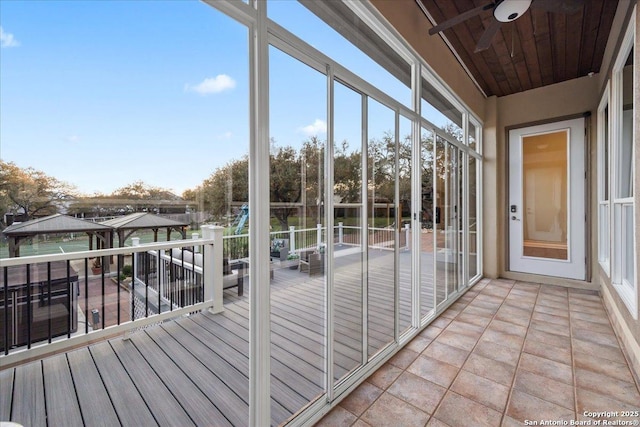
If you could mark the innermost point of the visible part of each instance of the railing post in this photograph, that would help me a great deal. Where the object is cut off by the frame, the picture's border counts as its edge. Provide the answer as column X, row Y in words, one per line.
column 292, row 238
column 319, row 236
column 195, row 236
column 135, row 241
column 340, row 233
column 212, row 267
column 407, row 233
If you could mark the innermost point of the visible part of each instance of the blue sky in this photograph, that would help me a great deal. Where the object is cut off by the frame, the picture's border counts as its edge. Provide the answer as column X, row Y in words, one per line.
column 100, row 94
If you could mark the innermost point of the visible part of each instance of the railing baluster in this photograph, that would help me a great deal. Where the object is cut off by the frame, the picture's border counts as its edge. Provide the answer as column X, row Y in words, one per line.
column 69, row 303
column 49, row 301
column 118, row 270
column 132, row 298
column 86, row 295
column 147, row 267
column 6, row 310
column 29, row 319
column 102, row 282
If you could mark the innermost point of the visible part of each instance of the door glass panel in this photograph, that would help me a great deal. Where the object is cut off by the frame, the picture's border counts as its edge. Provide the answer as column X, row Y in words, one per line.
column 545, row 183
column 381, row 184
column 428, row 223
column 348, row 250
column 298, row 235
column 405, row 253
column 446, row 219
column 472, row 268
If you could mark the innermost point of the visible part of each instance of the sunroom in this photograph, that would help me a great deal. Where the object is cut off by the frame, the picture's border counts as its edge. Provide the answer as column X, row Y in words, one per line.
column 369, row 177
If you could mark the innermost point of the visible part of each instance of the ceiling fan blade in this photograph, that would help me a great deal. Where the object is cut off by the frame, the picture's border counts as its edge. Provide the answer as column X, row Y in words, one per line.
column 460, row 18
column 558, row 6
column 487, row 36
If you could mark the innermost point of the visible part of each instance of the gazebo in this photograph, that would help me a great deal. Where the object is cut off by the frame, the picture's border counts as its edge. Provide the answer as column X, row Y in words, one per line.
column 126, row 225
column 56, row 224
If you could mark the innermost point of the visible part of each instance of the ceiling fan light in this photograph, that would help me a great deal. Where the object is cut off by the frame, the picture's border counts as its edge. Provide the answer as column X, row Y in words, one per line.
column 510, row 10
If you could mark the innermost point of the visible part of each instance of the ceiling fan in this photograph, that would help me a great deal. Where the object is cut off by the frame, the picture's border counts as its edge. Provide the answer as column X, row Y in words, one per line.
column 507, row 11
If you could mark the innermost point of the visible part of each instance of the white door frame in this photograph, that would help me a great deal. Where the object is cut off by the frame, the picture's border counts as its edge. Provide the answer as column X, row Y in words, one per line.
column 575, row 266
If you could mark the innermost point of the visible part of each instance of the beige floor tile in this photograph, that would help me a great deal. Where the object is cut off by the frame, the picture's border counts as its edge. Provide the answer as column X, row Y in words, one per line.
column 481, row 390
column 404, row 358
column 550, row 328
column 454, row 339
column 545, row 367
column 418, row 344
column 514, row 315
column 523, row 406
column 430, row 332
column 604, row 351
column 545, row 388
column 338, row 417
column 361, row 398
column 463, row 328
column 549, row 338
column 472, row 319
column 433, row 370
column 507, row 340
column 497, row 352
column 434, row 422
column 548, row 351
column 551, row 310
column 595, row 402
column 417, row 391
column 441, row 322
column 619, row 390
column 457, row 410
column 385, row 376
column 591, row 326
column 488, row 368
column 507, row 327
column 550, row 318
column 595, row 337
column 479, row 311
column 578, row 315
column 360, row 423
column 390, row 411
column 520, row 302
column 445, row 353
column 560, row 303
column 611, row 369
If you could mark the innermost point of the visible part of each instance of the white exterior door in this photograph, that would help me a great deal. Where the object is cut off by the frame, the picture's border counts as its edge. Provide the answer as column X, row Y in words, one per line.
column 547, row 199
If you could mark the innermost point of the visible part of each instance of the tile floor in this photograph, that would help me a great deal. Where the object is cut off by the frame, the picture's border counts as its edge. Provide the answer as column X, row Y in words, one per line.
column 504, row 353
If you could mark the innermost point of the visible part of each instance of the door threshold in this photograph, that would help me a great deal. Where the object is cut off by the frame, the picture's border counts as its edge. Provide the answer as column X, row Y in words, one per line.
column 550, row 280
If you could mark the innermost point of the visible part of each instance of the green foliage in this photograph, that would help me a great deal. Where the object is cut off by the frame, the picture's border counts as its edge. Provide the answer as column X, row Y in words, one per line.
column 127, row 270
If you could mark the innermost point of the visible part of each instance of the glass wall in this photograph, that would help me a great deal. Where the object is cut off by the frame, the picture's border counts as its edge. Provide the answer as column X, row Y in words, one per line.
column 405, row 243
column 298, row 235
column 381, row 197
column 428, row 222
column 257, row 128
column 349, row 250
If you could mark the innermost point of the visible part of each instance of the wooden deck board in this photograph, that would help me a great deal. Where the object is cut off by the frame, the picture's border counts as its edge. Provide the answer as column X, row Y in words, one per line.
column 6, row 393
column 28, row 396
column 225, row 399
column 62, row 406
column 190, row 397
column 129, row 404
column 194, row 370
column 162, row 404
column 95, row 403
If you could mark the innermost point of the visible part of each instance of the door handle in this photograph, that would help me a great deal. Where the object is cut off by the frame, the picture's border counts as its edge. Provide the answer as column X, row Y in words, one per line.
column 514, row 218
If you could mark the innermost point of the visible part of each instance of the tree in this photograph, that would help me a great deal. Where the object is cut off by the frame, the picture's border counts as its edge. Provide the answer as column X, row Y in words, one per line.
column 140, row 190
column 31, row 191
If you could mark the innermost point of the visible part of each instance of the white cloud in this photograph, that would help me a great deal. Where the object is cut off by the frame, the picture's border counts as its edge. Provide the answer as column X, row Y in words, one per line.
column 210, row 85
column 318, row 126
column 225, row 135
column 7, row 39
column 73, row 138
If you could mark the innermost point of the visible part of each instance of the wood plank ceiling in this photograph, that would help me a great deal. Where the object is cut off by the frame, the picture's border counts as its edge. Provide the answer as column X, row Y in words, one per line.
column 538, row 49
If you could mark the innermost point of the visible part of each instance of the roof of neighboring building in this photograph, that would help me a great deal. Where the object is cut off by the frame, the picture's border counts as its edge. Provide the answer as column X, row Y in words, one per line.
column 56, row 223
column 142, row 220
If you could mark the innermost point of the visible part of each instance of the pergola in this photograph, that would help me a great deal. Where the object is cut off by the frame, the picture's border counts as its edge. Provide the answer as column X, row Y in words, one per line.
column 126, row 225
column 56, row 224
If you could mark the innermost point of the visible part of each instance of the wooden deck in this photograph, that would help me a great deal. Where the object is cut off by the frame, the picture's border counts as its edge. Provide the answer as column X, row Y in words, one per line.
column 194, row 370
